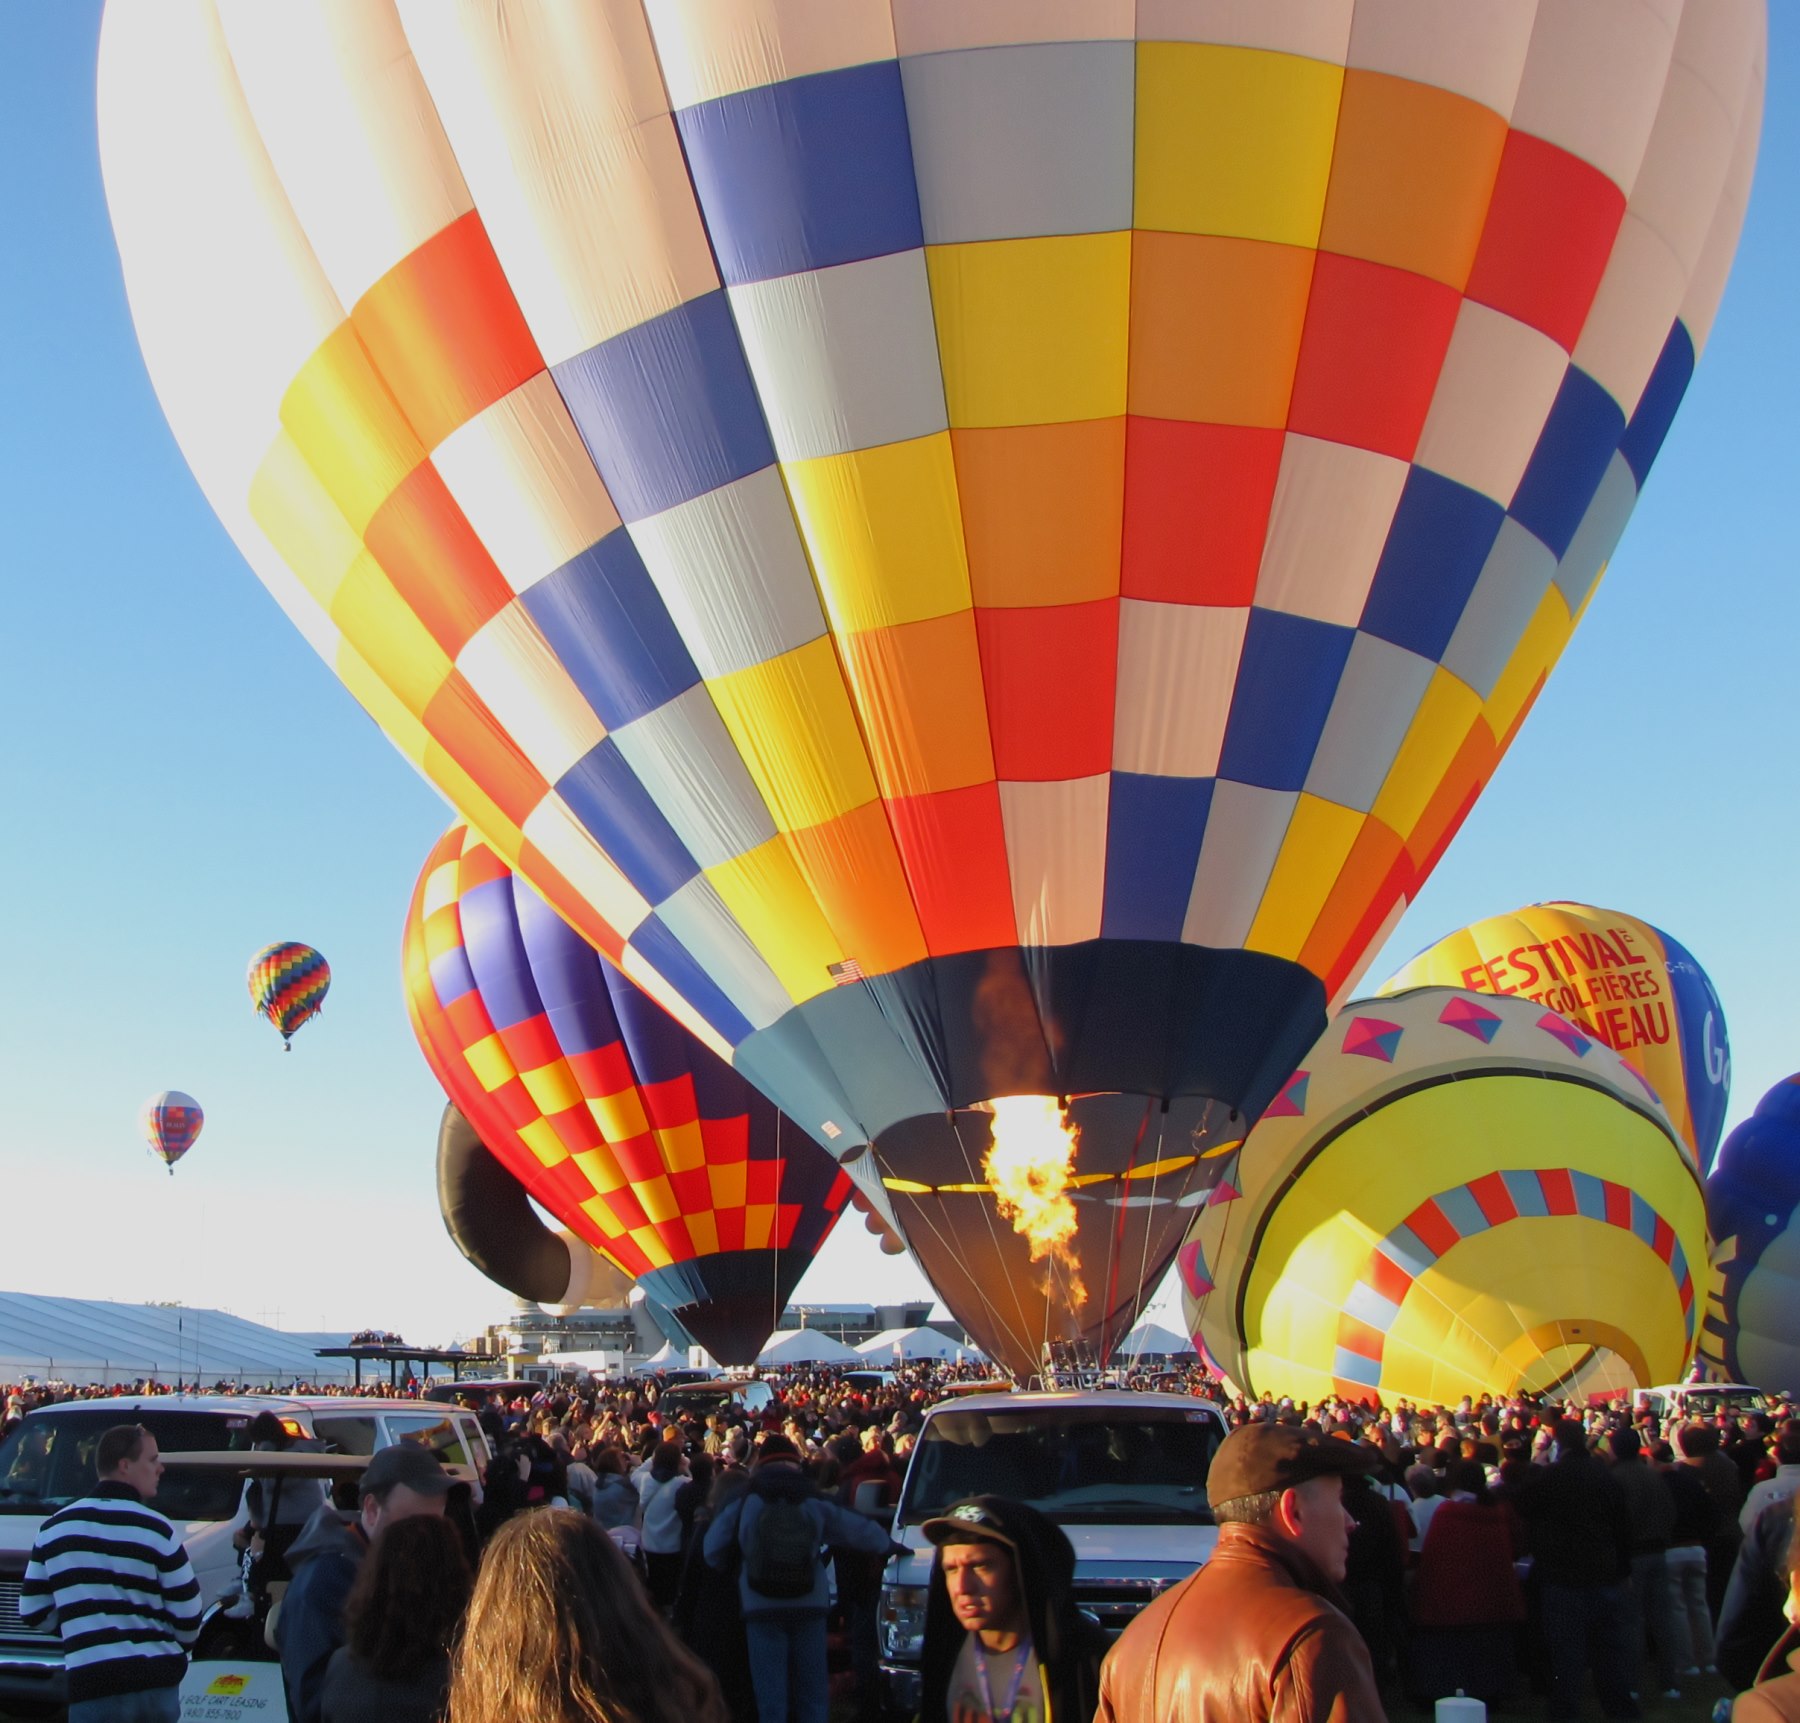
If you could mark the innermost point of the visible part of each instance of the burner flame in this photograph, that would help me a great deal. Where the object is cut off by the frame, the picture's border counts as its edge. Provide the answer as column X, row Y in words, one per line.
column 1031, row 1165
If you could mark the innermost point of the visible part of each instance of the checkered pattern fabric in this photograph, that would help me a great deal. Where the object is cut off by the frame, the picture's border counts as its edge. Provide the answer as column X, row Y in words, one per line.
column 170, row 1122
column 288, row 983
column 1457, row 1193
column 826, row 488
column 634, row 1136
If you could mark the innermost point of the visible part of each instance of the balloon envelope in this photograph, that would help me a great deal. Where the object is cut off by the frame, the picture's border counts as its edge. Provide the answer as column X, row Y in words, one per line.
column 1752, row 1327
column 638, row 1139
column 288, row 983
column 1617, row 979
column 1456, row 1193
column 170, row 1123
column 972, row 554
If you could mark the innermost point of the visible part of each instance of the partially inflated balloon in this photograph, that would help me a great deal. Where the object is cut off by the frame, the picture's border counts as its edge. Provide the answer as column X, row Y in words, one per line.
column 634, row 1136
column 976, row 551
column 1752, row 1328
column 170, row 1123
column 1456, row 1193
column 288, row 983
column 489, row 1217
column 1617, row 979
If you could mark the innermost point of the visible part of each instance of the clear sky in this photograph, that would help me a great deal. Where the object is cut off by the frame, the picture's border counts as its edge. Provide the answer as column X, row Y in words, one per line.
column 183, row 782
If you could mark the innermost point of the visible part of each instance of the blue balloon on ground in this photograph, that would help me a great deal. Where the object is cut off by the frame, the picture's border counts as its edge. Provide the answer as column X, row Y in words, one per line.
column 1751, row 1332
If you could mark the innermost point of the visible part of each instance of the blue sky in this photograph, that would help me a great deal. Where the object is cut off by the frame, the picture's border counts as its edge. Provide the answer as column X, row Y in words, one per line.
column 183, row 782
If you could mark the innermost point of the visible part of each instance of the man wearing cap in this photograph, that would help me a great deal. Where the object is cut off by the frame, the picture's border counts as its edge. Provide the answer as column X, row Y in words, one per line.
column 398, row 1483
column 1260, row 1631
column 1004, row 1640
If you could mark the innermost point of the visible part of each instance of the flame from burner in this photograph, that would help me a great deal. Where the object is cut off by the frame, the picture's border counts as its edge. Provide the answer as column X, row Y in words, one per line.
column 1030, row 1165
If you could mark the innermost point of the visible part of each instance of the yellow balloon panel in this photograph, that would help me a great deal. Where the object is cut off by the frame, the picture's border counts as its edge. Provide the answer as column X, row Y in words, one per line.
column 1450, row 1191
column 1619, row 980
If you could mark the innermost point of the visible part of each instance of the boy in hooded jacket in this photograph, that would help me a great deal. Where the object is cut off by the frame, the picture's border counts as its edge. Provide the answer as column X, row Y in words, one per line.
column 1004, row 1640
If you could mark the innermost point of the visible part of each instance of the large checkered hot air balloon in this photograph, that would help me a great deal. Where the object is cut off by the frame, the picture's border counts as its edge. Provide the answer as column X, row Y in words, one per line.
column 639, row 1140
column 977, row 551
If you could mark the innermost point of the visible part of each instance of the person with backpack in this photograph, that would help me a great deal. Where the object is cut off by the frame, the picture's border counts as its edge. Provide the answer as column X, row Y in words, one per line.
column 779, row 1527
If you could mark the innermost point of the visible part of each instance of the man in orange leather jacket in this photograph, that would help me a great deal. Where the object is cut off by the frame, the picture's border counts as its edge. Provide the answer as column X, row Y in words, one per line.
column 1259, row 1632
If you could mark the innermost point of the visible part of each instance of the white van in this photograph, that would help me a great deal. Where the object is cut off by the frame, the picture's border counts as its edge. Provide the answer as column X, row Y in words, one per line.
column 48, row 1461
column 1700, row 1399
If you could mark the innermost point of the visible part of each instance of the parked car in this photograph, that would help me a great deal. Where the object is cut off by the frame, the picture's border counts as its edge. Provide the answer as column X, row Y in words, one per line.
column 47, row 1461
column 1700, row 1399
column 696, row 1399
column 1123, row 1474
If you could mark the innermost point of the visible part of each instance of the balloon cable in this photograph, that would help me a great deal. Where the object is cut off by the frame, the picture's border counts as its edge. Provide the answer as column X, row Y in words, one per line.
column 1149, row 1214
column 1020, row 1335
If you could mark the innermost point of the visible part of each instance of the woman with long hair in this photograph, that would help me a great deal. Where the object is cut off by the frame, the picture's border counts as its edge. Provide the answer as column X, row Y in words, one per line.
column 400, row 1620
column 561, row 1630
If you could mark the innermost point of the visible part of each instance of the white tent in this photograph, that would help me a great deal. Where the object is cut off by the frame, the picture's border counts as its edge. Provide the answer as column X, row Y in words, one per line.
column 805, row 1346
column 911, row 1343
column 1153, row 1340
column 673, row 1357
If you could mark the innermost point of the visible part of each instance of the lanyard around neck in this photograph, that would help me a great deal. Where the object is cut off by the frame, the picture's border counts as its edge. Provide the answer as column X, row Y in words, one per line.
column 1012, row 1692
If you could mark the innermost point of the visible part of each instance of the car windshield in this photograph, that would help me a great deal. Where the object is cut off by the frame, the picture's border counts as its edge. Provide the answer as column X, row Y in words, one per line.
column 691, row 1398
column 48, row 1461
column 1076, row 1463
column 1710, row 1401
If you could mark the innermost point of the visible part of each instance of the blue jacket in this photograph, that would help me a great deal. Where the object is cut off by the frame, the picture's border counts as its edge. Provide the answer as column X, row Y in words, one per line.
column 325, row 1559
column 835, row 1525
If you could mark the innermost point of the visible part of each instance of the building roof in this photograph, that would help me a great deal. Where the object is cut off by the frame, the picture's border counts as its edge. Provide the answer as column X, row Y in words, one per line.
column 96, row 1340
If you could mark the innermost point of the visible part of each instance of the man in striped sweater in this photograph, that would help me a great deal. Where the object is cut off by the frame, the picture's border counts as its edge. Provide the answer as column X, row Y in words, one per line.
column 118, row 1581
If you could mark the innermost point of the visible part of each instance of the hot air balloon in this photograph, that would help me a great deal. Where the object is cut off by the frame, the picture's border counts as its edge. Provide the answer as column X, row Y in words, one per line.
column 287, row 985
column 1619, row 980
column 1751, row 1331
column 640, row 1141
column 977, row 552
column 489, row 1217
column 1456, row 1193
column 170, row 1123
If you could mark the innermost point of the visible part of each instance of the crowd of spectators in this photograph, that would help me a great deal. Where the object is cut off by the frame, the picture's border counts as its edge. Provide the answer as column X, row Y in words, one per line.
column 1495, row 1542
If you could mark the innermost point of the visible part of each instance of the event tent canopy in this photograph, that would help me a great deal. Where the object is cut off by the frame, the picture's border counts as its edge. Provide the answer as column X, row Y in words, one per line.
column 909, row 1343
column 88, row 1340
column 1151, row 1339
column 805, row 1346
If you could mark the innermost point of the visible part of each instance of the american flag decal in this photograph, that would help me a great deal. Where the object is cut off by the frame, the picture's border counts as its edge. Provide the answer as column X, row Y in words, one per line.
column 845, row 973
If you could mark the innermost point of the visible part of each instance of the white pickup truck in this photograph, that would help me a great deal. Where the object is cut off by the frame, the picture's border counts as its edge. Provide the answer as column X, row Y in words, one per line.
column 47, row 1460
column 1123, row 1474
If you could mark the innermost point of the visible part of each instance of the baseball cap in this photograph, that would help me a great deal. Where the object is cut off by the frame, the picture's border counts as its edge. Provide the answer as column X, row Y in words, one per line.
column 972, row 1521
column 409, row 1464
column 1260, row 1457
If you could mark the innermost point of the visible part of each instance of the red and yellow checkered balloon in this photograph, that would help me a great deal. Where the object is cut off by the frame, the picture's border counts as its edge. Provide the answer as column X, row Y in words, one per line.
column 636, row 1137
